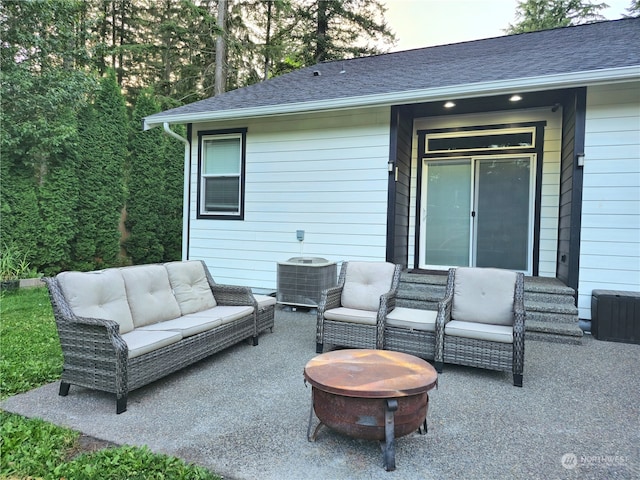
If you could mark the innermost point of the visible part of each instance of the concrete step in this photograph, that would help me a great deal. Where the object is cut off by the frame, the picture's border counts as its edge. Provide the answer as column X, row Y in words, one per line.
column 561, row 308
column 550, row 304
column 553, row 332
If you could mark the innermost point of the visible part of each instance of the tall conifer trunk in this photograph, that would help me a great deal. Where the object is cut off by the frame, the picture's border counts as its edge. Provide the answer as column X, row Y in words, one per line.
column 220, row 72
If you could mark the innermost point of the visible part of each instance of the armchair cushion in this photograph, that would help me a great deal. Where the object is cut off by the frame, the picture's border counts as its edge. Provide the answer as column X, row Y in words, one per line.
column 190, row 286
column 364, row 283
column 484, row 295
column 150, row 295
column 99, row 294
column 352, row 315
column 479, row 331
column 265, row 301
column 413, row 319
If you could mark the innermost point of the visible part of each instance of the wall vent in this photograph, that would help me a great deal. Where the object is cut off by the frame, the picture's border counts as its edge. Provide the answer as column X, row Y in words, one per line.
column 301, row 280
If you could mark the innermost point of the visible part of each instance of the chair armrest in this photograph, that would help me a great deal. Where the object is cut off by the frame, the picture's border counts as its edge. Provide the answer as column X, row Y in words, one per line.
column 387, row 305
column 94, row 334
column 98, row 337
column 443, row 317
column 518, row 308
column 233, row 295
column 330, row 298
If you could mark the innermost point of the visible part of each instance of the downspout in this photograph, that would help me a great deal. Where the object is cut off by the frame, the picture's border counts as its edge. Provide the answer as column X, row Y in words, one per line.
column 185, row 189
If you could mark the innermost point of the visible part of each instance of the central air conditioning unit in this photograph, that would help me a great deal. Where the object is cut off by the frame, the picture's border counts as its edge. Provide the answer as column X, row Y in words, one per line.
column 301, row 280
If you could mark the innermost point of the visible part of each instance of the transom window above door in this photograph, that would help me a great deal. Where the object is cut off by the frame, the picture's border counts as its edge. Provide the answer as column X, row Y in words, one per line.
column 484, row 140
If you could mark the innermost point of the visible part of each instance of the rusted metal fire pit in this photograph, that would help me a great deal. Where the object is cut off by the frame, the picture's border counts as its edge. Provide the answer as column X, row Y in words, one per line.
column 370, row 394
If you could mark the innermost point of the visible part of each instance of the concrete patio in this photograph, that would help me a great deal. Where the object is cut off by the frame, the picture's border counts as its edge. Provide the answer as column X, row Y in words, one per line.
column 243, row 414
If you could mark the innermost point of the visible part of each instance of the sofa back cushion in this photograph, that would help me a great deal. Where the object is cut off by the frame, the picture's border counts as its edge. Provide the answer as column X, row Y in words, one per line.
column 99, row 294
column 190, row 286
column 150, row 295
column 365, row 282
column 484, row 295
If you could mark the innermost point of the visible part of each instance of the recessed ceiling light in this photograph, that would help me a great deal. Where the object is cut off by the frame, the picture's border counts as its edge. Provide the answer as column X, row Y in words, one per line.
column 515, row 98
column 449, row 105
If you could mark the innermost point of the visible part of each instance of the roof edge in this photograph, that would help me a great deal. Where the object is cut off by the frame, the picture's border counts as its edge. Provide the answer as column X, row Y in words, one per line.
column 548, row 82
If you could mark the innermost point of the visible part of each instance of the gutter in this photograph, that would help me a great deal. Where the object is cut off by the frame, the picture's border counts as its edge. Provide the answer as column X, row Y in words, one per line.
column 185, row 188
column 470, row 90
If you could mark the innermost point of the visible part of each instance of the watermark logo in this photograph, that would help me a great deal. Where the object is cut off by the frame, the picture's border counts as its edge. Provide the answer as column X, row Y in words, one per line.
column 571, row 461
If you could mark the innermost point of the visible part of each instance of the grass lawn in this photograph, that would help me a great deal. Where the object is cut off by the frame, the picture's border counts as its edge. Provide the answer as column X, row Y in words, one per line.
column 30, row 356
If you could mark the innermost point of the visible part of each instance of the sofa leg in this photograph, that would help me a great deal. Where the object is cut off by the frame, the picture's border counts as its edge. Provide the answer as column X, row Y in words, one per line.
column 64, row 389
column 438, row 366
column 255, row 340
column 517, row 380
column 319, row 347
column 121, row 404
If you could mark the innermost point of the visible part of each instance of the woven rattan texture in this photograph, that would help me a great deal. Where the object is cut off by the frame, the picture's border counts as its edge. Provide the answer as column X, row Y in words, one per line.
column 266, row 317
column 96, row 356
column 482, row 353
column 348, row 334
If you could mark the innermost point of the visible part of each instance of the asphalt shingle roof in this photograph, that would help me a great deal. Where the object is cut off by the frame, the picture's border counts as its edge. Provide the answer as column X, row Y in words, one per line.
column 583, row 48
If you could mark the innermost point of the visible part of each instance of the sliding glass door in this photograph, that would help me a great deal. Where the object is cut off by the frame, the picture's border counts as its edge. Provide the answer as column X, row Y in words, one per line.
column 446, row 212
column 477, row 212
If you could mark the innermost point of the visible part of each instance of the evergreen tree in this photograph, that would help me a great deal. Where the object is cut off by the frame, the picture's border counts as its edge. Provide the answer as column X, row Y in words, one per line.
column 634, row 9
column 103, row 129
column 42, row 88
column 535, row 15
column 336, row 29
column 145, row 218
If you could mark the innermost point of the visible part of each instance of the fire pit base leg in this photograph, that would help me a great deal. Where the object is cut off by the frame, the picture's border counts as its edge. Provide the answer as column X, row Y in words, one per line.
column 389, row 449
column 312, row 436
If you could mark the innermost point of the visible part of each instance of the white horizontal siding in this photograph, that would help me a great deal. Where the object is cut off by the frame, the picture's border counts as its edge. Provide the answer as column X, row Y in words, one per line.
column 610, row 235
column 550, row 173
column 325, row 174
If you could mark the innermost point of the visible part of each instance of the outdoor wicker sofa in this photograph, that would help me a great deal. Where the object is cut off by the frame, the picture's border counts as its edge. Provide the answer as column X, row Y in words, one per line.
column 122, row 328
column 481, row 321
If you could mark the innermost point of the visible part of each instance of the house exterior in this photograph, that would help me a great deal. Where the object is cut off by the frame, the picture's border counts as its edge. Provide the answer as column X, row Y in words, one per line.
column 518, row 152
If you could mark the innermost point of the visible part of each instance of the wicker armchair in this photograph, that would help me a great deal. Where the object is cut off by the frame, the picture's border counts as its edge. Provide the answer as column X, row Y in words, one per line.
column 480, row 322
column 353, row 313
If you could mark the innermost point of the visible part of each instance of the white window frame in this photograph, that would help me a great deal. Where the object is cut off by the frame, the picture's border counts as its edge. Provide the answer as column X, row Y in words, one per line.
column 481, row 133
column 203, row 137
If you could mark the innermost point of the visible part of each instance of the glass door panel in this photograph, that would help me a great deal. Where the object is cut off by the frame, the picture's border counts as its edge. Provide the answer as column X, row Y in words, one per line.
column 502, row 206
column 446, row 211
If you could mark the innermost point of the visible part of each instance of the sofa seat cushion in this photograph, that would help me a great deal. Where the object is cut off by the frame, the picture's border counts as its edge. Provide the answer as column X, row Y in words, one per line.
column 412, row 319
column 150, row 294
column 231, row 313
column 190, row 286
column 479, row 331
column 187, row 326
column 224, row 313
column 100, row 294
column 484, row 295
column 351, row 315
column 140, row 342
column 265, row 301
column 365, row 283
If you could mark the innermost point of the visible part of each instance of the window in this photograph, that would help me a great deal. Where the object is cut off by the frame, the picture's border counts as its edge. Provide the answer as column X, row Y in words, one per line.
column 495, row 139
column 221, row 174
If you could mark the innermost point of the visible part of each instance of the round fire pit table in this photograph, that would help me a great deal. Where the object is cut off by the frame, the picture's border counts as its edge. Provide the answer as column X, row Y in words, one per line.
column 371, row 394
